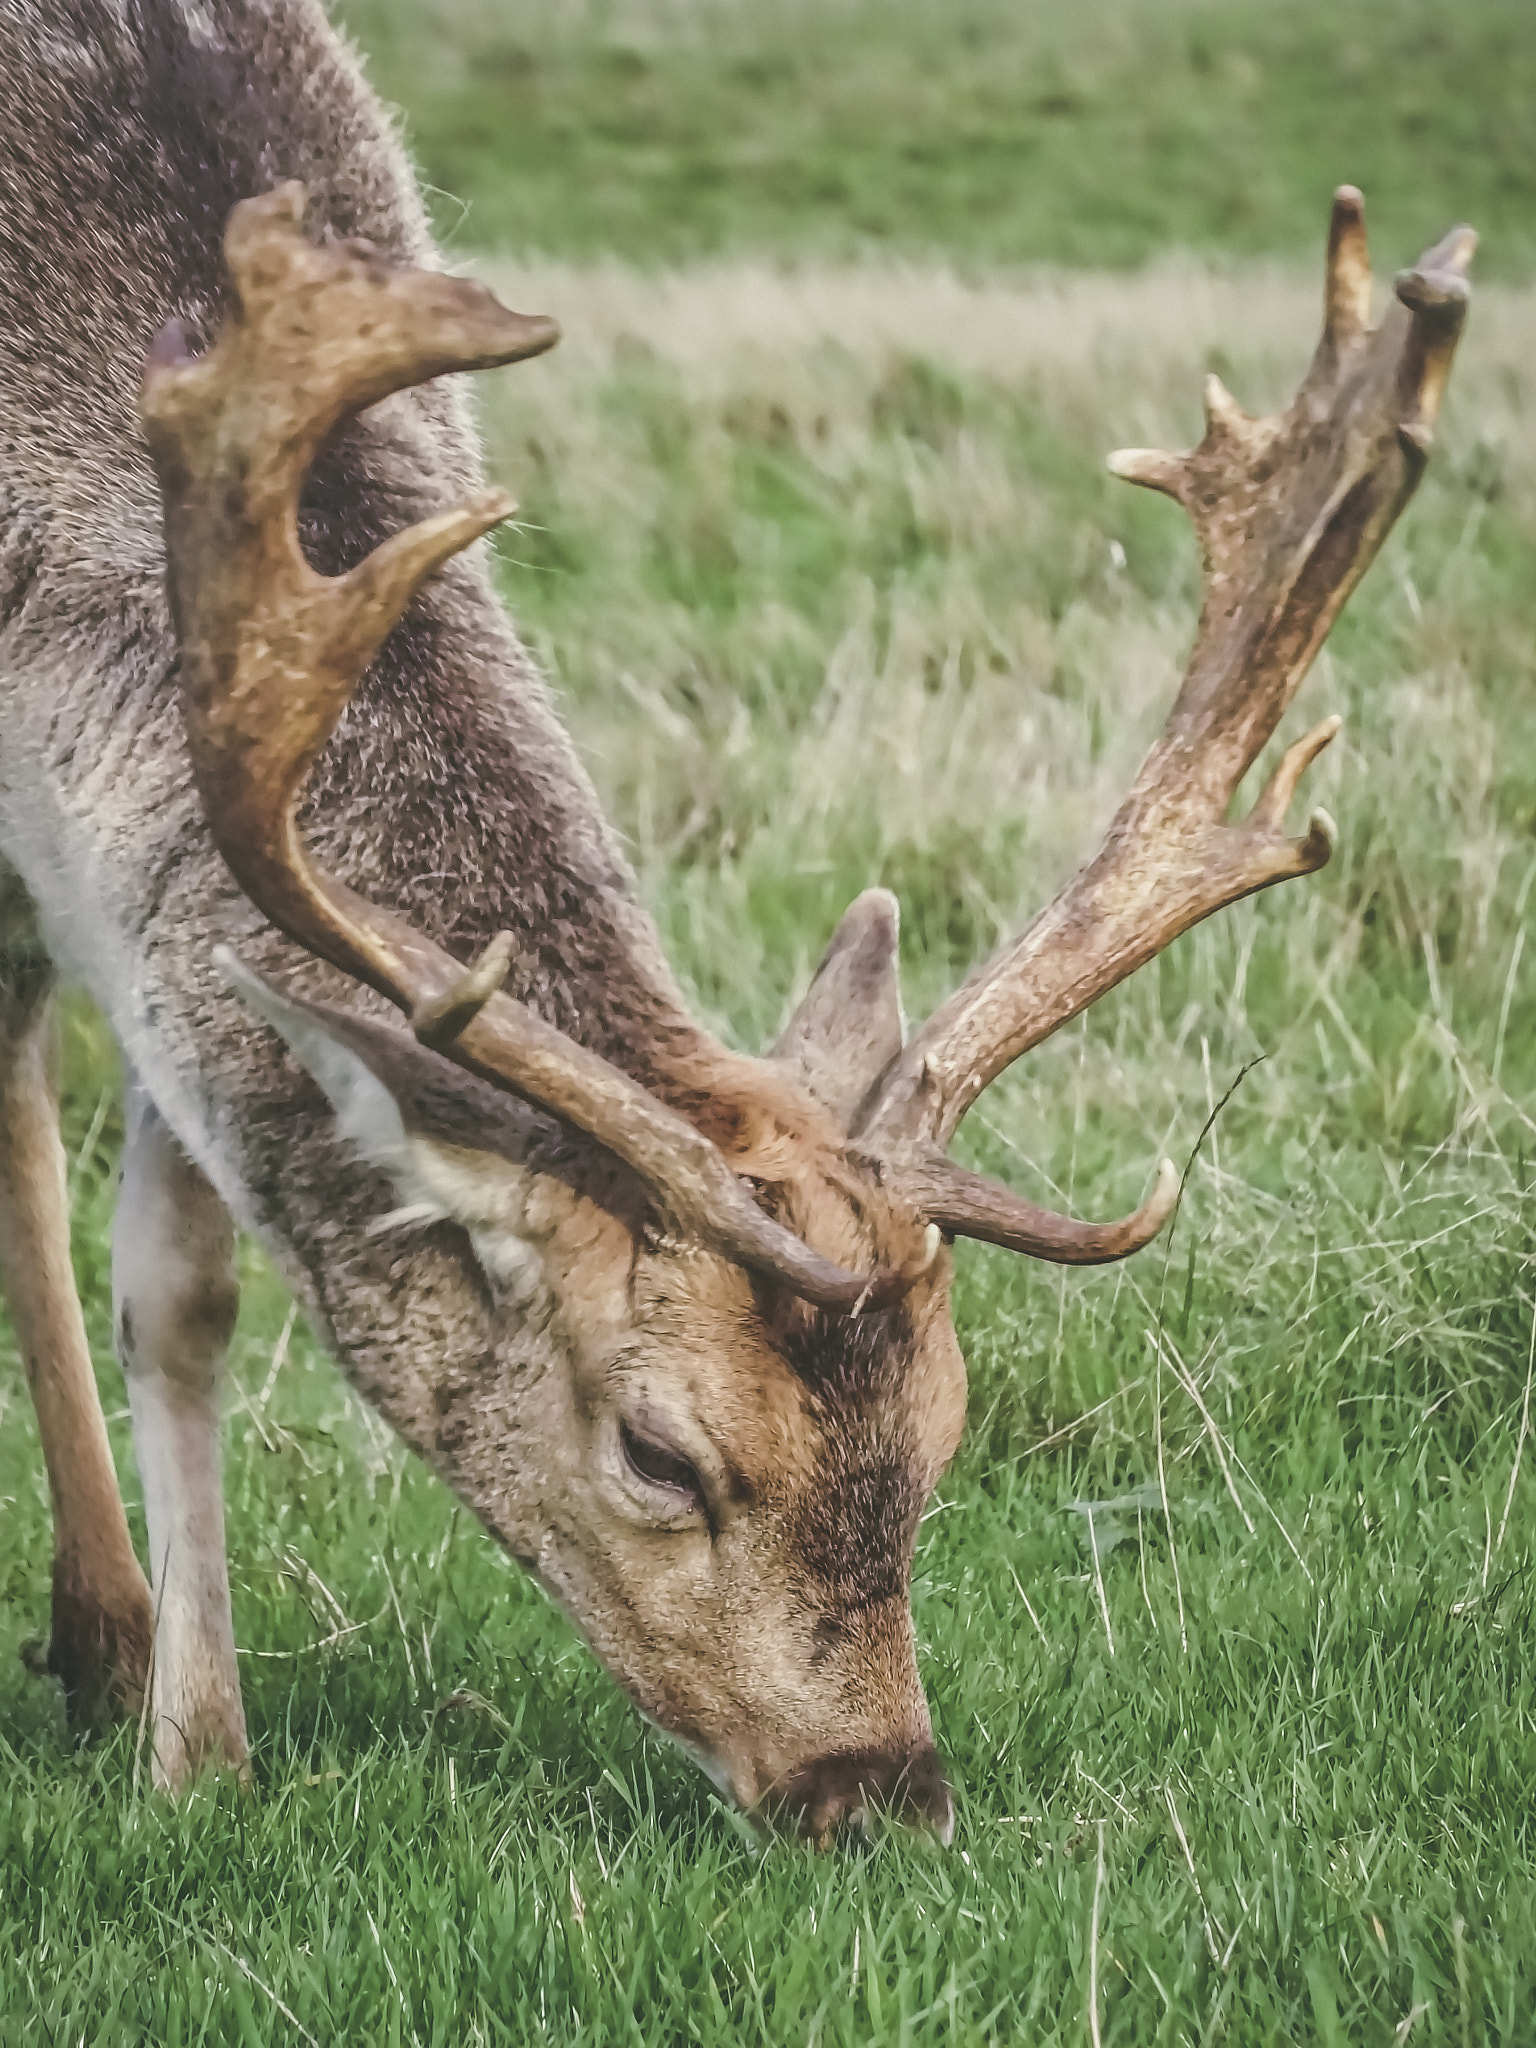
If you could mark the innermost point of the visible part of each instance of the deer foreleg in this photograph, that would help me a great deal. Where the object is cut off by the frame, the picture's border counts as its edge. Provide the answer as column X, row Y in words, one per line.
column 176, row 1295
column 99, row 1641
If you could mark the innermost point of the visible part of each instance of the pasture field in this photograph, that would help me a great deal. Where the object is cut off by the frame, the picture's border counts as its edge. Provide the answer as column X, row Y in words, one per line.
column 1226, row 1607
column 1012, row 131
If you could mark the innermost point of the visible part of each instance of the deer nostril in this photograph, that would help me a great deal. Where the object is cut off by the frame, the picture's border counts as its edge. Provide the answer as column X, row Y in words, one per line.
column 843, row 1792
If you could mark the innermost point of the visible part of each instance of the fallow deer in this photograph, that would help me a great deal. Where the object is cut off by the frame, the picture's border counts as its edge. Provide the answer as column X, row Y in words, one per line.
column 276, row 773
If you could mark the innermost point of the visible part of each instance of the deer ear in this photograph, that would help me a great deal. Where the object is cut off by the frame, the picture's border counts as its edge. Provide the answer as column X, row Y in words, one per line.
column 451, row 1146
column 849, row 1026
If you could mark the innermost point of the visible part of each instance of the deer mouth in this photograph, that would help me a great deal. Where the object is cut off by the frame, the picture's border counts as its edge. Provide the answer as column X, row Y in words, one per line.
column 843, row 1795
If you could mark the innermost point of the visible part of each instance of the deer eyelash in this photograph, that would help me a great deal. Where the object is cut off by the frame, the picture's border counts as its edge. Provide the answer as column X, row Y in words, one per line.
column 660, row 1466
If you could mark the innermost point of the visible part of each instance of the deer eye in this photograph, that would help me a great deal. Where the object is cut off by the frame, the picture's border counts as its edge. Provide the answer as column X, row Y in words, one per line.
column 661, row 1465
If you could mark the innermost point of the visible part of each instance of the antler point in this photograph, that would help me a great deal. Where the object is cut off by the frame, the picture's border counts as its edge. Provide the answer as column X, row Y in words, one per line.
column 1347, row 292
column 1151, row 467
column 1223, row 414
column 443, row 1018
column 492, row 505
column 1432, row 291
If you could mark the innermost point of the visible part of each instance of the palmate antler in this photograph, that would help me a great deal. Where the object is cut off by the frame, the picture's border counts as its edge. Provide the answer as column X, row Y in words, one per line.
column 271, row 652
column 1290, row 511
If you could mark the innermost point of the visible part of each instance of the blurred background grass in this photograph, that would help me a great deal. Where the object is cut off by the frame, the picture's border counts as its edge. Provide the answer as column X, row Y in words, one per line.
column 999, row 131
column 817, row 547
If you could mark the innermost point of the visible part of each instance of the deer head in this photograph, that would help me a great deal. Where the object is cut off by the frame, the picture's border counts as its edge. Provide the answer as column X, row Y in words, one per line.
column 742, row 1267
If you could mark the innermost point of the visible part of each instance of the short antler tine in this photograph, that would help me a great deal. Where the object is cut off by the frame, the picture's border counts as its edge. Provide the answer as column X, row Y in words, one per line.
column 370, row 600
column 1151, row 468
column 1347, row 289
column 970, row 1205
column 1437, row 294
column 443, row 1018
column 1224, row 417
column 1268, row 814
column 1453, row 252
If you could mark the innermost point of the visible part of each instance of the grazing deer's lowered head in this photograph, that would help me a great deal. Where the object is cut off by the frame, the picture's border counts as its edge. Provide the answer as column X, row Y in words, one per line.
column 674, row 1322
column 742, row 1265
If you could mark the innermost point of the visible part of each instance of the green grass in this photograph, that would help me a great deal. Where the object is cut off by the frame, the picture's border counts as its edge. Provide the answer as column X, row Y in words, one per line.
column 1011, row 131
column 835, row 590
column 845, row 607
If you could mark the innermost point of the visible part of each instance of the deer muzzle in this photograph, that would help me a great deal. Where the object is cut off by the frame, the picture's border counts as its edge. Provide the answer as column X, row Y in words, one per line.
column 844, row 1792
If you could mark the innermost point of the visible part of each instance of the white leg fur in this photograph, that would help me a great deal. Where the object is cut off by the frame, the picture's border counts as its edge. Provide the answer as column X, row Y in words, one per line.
column 176, row 1296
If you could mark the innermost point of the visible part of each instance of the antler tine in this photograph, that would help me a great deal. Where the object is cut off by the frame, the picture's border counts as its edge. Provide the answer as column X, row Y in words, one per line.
column 969, row 1205
column 1289, row 511
column 1347, row 292
column 270, row 653
column 1436, row 293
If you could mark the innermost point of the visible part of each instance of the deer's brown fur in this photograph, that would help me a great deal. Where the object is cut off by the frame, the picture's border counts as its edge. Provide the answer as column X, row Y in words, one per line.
column 126, row 135
column 541, row 1311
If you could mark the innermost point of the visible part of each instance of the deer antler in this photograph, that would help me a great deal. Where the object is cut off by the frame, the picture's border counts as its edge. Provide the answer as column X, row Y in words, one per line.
column 1290, row 511
column 271, row 653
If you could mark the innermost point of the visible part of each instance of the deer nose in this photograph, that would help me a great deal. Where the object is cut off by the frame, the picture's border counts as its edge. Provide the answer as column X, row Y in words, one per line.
column 845, row 1790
